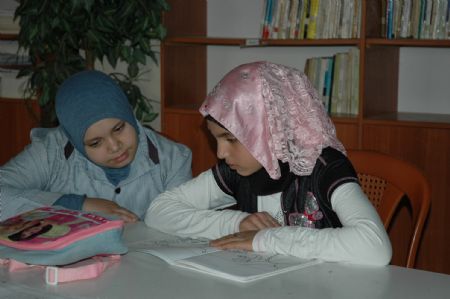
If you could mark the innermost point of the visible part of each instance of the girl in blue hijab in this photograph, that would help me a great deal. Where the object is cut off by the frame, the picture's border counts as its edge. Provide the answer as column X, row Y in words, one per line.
column 99, row 159
column 95, row 115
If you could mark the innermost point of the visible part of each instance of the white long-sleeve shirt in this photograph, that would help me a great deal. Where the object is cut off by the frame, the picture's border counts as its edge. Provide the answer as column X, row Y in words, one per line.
column 190, row 210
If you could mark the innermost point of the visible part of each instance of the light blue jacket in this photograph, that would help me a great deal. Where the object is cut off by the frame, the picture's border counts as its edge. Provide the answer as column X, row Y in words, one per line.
column 49, row 168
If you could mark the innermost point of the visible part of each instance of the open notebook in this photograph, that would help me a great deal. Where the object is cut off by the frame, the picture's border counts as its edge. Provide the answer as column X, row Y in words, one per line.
column 236, row 265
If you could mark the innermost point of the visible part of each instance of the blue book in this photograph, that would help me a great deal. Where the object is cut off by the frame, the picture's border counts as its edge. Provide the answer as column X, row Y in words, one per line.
column 389, row 18
column 267, row 19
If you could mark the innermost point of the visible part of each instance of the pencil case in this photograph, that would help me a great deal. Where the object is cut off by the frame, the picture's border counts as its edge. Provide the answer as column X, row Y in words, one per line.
column 57, row 236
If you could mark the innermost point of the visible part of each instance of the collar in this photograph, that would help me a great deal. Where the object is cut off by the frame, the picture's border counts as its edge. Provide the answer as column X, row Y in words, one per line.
column 262, row 184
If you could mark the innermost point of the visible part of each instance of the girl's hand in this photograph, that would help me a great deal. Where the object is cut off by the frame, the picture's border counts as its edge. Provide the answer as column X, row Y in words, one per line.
column 109, row 207
column 242, row 241
column 257, row 221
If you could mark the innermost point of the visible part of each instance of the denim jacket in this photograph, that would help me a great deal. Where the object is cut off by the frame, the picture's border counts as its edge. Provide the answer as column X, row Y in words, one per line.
column 49, row 168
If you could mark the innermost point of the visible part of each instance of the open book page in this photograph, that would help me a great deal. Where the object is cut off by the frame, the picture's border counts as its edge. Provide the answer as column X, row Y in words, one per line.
column 236, row 265
column 172, row 249
column 244, row 266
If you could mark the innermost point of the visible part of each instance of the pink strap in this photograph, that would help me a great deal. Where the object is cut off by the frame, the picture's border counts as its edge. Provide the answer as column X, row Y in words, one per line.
column 86, row 269
column 14, row 265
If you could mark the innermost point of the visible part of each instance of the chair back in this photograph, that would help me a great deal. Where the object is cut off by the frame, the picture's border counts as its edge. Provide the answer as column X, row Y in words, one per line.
column 386, row 181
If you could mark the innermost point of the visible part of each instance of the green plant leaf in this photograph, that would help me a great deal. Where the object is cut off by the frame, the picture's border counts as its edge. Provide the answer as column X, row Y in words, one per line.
column 57, row 33
column 133, row 70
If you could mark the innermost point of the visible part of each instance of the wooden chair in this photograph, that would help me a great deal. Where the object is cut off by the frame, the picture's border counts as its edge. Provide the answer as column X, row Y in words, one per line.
column 386, row 181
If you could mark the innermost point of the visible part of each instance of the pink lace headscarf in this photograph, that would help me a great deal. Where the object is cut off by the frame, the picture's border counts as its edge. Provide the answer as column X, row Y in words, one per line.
column 275, row 112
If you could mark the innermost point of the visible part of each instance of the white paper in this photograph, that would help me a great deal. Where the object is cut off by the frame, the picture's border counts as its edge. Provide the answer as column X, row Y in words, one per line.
column 244, row 266
column 236, row 265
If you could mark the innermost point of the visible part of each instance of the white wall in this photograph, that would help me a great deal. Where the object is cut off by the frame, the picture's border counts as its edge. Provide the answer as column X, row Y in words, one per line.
column 424, row 84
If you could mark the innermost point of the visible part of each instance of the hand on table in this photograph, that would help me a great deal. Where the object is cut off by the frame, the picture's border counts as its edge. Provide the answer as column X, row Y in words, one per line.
column 248, row 228
column 257, row 221
column 109, row 207
column 242, row 240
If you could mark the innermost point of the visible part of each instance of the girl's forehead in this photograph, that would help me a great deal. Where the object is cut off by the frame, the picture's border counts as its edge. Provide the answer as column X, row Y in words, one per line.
column 101, row 127
column 217, row 130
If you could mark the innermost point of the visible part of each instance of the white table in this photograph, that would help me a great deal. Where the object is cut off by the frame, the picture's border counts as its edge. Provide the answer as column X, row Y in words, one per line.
column 140, row 275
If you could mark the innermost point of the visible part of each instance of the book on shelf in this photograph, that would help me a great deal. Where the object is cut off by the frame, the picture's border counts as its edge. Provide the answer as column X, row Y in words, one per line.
column 439, row 23
column 276, row 19
column 323, row 19
column 426, row 22
column 419, row 19
column 319, row 72
column 345, row 86
column 326, row 95
column 323, row 67
column 346, row 19
column 415, row 16
column 267, row 22
column 311, row 19
column 356, row 28
column 337, row 81
column 339, row 95
column 354, row 81
column 447, row 20
column 438, row 19
column 284, row 19
column 383, row 18
column 236, row 265
column 304, row 17
column 293, row 19
column 389, row 18
column 397, row 12
column 329, row 19
column 405, row 19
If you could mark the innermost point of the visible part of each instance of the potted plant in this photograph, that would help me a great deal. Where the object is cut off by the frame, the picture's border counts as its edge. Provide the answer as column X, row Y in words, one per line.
column 63, row 37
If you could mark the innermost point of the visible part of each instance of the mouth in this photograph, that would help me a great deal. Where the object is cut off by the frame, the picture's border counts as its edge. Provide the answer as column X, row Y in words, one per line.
column 121, row 158
column 232, row 166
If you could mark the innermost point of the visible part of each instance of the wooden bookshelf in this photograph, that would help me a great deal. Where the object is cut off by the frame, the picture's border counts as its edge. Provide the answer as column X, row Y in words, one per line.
column 8, row 36
column 423, row 139
column 16, row 121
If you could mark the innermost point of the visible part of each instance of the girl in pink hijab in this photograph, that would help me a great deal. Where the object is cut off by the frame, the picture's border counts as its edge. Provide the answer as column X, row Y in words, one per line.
column 283, row 169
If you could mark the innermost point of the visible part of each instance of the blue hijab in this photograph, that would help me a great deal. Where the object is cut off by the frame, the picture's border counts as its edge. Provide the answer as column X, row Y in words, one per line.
column 85, row 98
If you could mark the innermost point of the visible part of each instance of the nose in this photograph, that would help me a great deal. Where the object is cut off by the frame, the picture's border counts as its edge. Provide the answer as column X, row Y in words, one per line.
column 114, row 145
column 222, row 151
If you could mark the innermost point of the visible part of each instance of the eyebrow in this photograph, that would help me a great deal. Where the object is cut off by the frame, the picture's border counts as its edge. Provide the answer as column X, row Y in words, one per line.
column 225, row 134
column 86, row 142
column 118, row 124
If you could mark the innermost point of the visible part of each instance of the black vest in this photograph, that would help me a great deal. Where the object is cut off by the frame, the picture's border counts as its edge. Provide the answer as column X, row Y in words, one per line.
column 305, row 200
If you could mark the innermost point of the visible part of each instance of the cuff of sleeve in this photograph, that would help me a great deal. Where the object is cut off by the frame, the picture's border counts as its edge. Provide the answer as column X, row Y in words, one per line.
column 239, row 220
column 259, row 241
column 71, row 201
